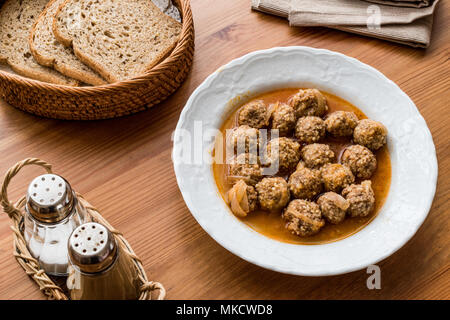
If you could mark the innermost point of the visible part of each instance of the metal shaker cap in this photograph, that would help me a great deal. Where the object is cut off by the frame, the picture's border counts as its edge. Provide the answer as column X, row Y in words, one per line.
column 92, row 247
column 50, row 198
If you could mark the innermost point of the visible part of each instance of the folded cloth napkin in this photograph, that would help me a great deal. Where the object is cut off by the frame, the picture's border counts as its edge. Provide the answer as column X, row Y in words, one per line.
column 284, row 4
column 404, row 3
column 411, row 26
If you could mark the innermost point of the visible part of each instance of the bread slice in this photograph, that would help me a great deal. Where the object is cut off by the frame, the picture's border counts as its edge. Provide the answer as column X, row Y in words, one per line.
column 120, row 39
column 16, row 19
column 50, row 53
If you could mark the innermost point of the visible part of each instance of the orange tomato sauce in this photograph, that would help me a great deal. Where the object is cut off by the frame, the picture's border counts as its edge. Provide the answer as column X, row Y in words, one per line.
column 271, row 224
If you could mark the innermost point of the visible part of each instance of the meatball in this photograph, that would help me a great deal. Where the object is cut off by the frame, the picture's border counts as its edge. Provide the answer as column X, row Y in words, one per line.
column 302, row 165
column 273, row 193
column 283, row 118
column 316, row 155
column 288, row 153
column 254, row 114
column 309, row 102
column 361, row 198
column 303, row 218
column 242, row 199
column 243, row 139
column 360, row 160
column 333, row 207
column 245, row 167
column 310, row 129
column 370, row 134
column 341, row 123
column 335, row 177
column 305, row 183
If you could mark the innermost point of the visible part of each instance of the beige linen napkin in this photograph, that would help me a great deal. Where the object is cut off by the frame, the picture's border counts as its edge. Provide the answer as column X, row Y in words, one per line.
column 410, row 26
column 404, row 3
column 352, row 13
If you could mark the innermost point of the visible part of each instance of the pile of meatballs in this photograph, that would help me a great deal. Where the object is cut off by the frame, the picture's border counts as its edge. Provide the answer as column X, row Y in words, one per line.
column 313, row 185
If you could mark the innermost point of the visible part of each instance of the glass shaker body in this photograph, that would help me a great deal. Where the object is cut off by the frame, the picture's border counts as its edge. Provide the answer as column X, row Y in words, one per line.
column 98, row 267
column 52, row 213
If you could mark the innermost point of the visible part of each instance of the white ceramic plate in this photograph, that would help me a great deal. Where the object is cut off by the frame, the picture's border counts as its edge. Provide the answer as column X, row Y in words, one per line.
column 413, row 157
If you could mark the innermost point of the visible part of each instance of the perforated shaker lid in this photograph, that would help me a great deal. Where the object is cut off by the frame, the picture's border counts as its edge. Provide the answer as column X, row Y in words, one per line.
column 92, row 247
column 50, row 198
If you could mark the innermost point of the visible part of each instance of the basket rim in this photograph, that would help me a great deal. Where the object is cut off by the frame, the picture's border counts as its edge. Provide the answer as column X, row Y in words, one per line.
column 187, row 25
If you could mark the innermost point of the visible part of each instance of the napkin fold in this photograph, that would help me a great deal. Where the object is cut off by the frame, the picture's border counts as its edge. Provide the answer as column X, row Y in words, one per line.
column 404, row 3
column 407, row 25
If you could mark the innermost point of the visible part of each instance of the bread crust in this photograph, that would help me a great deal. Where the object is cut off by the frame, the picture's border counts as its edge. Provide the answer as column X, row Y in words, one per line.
column 58, row 35
column 52, row 62
column 44, row 77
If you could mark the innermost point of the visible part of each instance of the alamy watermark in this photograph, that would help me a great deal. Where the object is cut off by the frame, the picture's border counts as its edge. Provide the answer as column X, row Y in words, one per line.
column 200, row 146
column 374, row 280
column 374, row 17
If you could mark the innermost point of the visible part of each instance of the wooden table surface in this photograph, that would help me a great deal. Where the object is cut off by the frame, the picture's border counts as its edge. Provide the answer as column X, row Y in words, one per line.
column 124, row 168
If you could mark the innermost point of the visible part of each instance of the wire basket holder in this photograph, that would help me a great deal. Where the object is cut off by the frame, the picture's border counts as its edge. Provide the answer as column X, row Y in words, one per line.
column 30, row 265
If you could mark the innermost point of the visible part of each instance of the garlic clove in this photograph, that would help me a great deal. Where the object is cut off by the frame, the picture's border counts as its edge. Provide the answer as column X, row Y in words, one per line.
column 237, row 196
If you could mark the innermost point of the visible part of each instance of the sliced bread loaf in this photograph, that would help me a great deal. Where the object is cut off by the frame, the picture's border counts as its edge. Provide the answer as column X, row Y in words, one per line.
column 16, row 19
column 120, row 39
column 50, row 53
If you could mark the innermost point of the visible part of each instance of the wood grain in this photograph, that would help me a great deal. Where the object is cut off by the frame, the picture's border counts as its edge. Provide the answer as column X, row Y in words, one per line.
column 124, row 168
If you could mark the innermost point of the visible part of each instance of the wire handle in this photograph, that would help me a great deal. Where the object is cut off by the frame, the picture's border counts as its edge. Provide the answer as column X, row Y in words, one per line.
column 11, row 209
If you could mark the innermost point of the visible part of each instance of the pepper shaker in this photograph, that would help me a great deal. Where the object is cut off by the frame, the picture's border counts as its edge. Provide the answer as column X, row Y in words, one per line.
column 52, row 213
column 98, row 268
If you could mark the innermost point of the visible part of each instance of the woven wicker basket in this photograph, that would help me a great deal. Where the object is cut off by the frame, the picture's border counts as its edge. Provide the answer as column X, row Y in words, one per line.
column 48, row 284
column 107, row 101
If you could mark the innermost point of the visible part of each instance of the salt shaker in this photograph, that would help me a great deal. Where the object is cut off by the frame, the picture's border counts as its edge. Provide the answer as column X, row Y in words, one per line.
column 52, row 213
column 99, row 269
